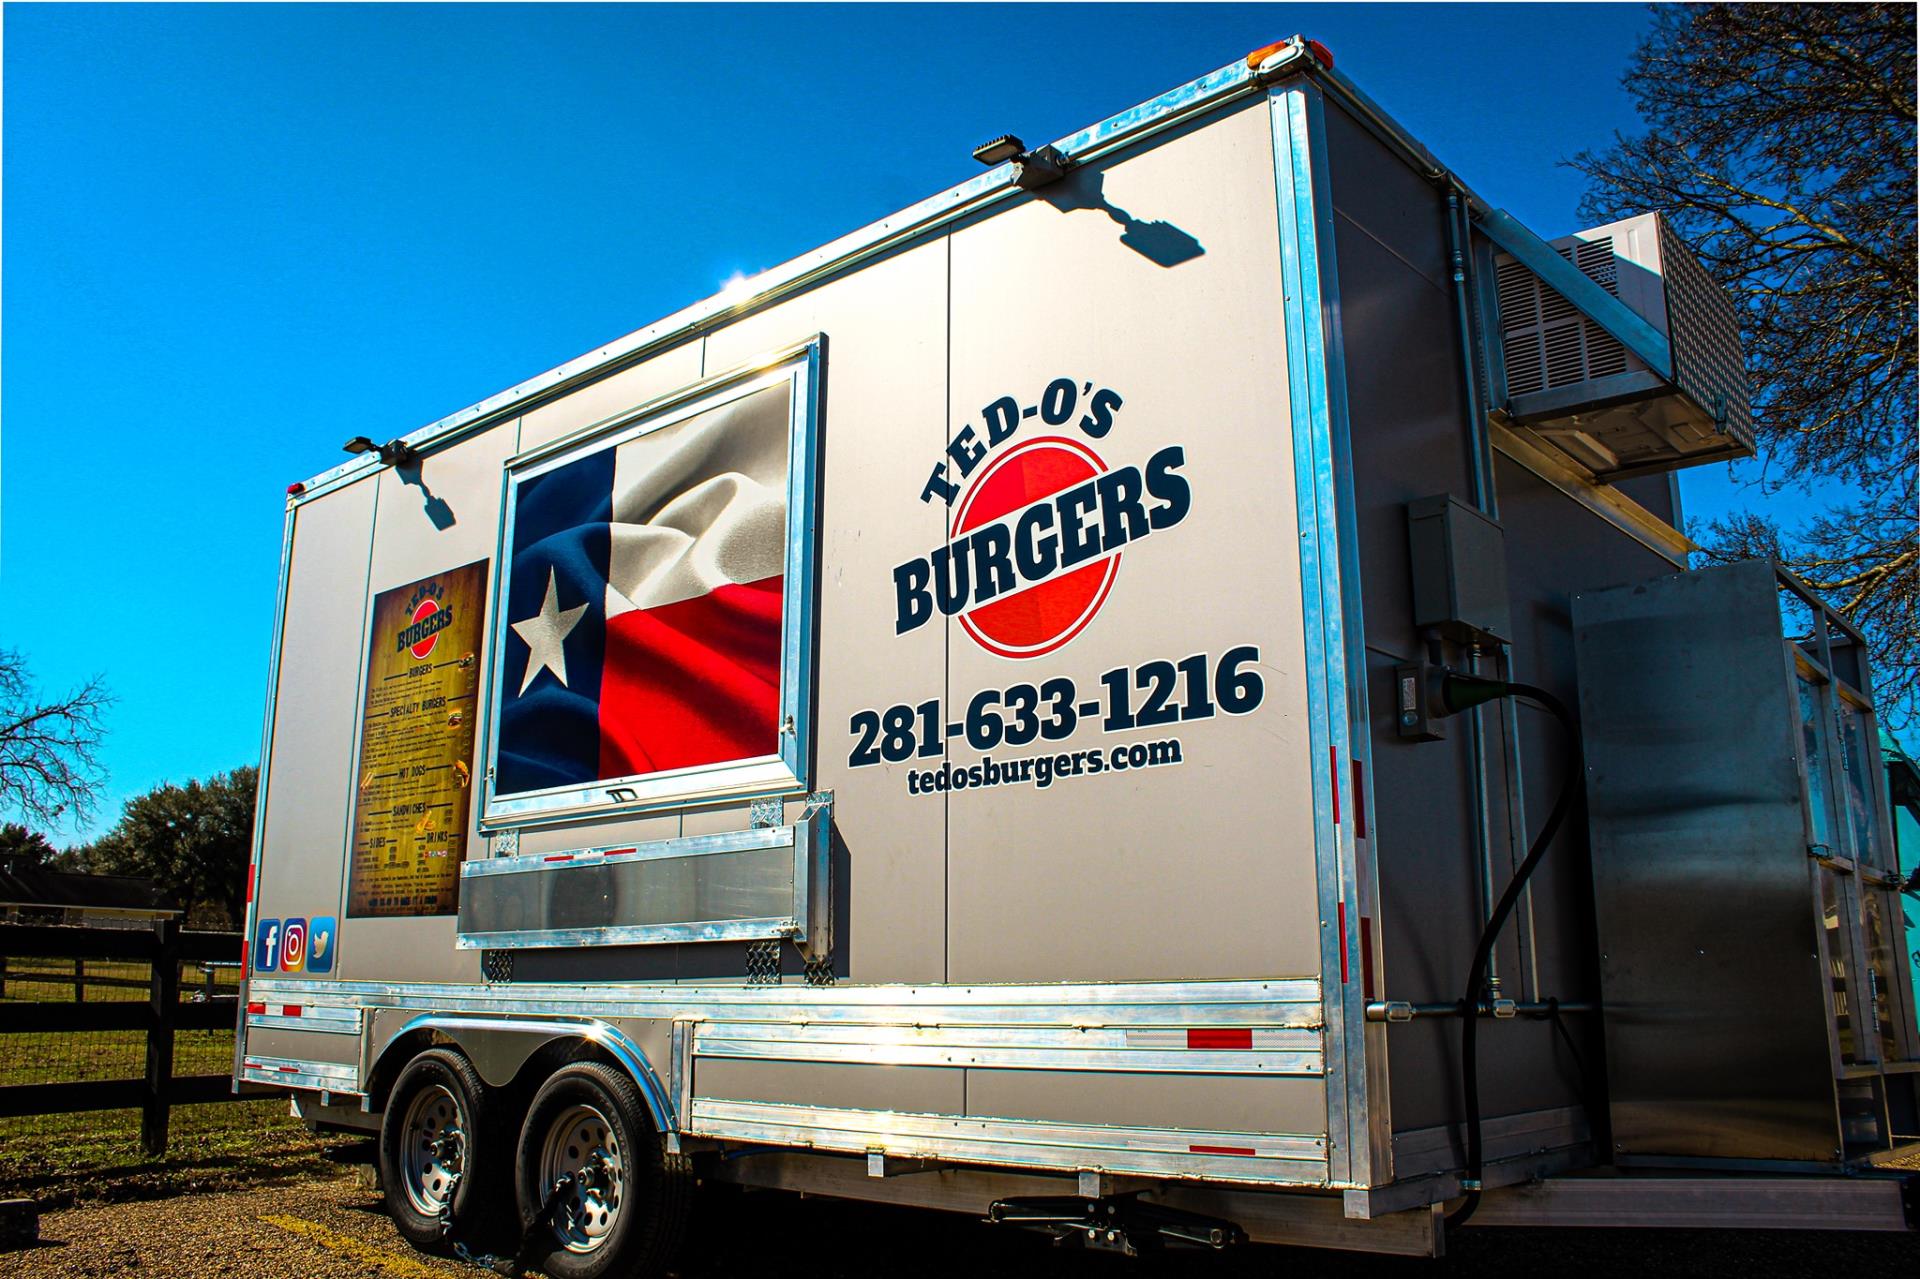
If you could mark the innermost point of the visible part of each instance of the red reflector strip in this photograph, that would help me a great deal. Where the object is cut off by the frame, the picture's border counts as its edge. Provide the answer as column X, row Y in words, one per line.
column 288, row 1070
column 249, row 883
column 558, row 857
column 1222, row 1150
column 621, row 852
column 1343, row 942
column 1366, row 957
column 243, row 959
column 1220, row 1038
column 1359, row 801
column 257, row 1008
column 1333, row 765
column 290, row 1010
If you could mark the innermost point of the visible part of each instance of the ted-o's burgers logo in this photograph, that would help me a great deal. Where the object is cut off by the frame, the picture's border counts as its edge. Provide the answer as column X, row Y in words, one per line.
column 1037, row 530
column 428, row 618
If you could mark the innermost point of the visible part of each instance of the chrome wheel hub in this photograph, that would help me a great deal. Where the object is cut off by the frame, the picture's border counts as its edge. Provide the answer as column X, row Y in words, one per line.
column 435, row 1150
column 584, row 1148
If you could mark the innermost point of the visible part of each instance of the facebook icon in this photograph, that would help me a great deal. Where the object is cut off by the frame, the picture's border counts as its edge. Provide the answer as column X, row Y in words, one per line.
column 266, row 946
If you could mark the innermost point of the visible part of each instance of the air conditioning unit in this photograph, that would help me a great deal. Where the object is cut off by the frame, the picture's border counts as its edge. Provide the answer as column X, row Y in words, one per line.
column 1577, row 388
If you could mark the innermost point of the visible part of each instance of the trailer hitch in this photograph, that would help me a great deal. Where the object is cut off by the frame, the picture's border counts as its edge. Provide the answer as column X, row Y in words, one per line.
column 1121, row 1223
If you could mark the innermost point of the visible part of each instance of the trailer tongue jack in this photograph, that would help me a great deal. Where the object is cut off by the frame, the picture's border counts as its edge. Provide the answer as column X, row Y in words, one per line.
column 1115, row 1223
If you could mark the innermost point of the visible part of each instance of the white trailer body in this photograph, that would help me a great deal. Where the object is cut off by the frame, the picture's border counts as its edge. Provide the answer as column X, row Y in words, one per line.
column 931, row 718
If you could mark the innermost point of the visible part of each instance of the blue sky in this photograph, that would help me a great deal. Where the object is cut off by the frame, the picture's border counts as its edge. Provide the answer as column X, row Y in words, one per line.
column 236, row 235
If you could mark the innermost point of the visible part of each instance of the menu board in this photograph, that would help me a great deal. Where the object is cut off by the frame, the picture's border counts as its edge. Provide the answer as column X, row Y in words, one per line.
column 415, row 778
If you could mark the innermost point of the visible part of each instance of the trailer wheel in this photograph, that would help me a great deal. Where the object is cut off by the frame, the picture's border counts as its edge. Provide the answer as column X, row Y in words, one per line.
column 598, row 1192
column 438, row 1148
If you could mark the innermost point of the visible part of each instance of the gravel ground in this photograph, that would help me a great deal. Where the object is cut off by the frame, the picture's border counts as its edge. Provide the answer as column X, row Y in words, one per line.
column 304, row 1230
column 319, row 1228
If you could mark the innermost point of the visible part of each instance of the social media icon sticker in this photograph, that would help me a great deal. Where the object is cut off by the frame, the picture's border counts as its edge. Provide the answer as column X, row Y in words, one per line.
column 293, row 946
column 320, row 944
column 266, row 946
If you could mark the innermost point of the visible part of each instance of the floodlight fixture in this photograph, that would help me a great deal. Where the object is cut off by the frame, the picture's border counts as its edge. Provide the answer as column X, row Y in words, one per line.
column 393, row 452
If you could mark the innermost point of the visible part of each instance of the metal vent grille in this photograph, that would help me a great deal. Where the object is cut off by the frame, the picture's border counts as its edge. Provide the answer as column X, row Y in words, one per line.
column 496, row 965
column 763, row 963
column 1549, row 344
column 1706, row 338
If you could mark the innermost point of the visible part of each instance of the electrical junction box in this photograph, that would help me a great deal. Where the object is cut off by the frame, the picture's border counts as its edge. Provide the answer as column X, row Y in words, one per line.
column 1459, row 560
column 1578, row 390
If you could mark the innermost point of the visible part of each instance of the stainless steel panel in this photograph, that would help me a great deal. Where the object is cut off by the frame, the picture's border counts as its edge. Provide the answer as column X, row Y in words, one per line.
column 299, row 1072
column 911, row 1089
column 303, row 1045
column 1282, row 1160
column 737, row 885
column 1141, row 1004
column 1270, row 1052
column 1224, row 1103
column 669, row 900
column 1716, row 1017
column 1697, row 1203
column 1423, row 1152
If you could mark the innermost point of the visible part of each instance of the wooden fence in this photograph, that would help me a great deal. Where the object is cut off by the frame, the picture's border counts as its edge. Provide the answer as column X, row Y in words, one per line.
column 163, row 949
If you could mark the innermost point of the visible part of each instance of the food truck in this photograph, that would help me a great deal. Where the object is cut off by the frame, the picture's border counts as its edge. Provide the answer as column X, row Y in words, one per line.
column 1155, row 695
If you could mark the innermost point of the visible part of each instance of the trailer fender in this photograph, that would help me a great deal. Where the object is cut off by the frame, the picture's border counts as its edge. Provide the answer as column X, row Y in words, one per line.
column 498, row 1047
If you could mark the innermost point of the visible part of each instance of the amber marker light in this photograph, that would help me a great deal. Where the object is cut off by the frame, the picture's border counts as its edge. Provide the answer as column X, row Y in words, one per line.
column 1314, row 48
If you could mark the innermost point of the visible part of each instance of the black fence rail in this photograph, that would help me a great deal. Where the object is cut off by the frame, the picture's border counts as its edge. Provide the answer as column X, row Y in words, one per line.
column 52, row 1049
column 79, row 978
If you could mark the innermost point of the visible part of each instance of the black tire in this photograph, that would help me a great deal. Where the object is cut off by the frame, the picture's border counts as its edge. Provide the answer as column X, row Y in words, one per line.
column 627, row 1213
column 440, row 1090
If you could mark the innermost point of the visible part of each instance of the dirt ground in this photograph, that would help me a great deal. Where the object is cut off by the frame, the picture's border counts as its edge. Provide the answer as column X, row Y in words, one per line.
column 327, row 1226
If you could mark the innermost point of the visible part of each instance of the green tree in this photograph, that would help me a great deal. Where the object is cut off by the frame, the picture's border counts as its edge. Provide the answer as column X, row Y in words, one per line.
column 1780, row 142
column 22, row 847
column 194, row 841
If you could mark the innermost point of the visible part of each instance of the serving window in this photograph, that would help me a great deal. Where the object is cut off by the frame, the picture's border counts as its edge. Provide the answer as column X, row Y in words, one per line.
column 653, row 623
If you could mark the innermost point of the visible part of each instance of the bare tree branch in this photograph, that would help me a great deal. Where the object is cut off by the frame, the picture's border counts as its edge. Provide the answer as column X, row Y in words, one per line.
column 49, row 762
column 1780, row 142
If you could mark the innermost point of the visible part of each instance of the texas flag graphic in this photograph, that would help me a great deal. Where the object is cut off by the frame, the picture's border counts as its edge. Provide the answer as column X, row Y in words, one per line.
column 644, row 603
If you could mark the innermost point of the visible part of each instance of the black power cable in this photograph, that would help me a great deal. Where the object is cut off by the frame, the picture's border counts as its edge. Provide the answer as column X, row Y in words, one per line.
column 1458, row 693
column 1552, row 1016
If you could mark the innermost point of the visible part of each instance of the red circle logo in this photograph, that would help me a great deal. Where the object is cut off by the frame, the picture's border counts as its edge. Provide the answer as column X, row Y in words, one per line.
column 428, row 607
column 1040, row 618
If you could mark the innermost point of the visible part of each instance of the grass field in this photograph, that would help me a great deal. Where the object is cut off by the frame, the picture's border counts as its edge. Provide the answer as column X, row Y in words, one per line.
column 67, row 1158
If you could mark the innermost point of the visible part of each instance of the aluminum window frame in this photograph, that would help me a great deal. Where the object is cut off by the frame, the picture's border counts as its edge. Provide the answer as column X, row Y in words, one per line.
column 786, row 771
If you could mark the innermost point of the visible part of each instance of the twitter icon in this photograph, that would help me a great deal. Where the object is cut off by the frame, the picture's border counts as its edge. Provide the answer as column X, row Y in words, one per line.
column 321, row 934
